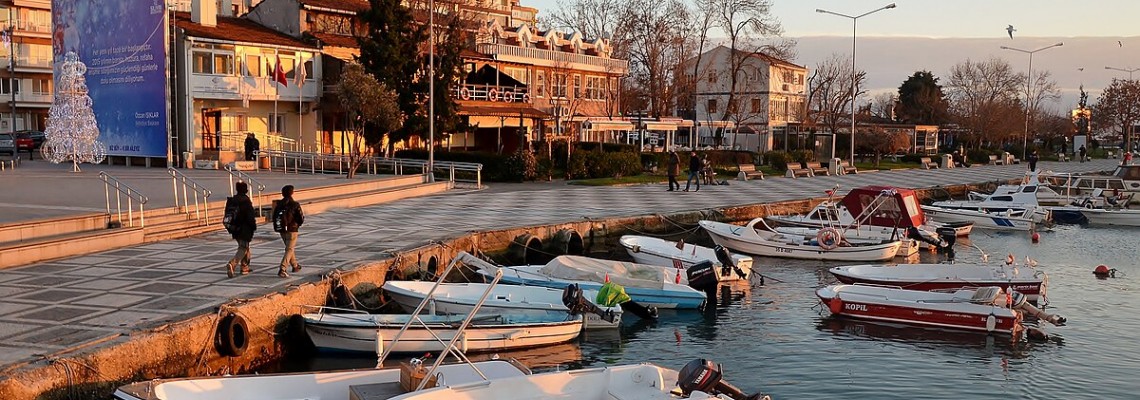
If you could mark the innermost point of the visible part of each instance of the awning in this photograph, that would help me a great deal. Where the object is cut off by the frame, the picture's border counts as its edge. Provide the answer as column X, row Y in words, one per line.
column 659, row 126
column 717, row 124
column 503, row 111
column 607, row 125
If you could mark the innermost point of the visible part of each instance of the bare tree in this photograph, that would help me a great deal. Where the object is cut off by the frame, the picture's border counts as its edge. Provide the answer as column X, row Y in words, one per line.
column 879, row 141
column 1045, row 90
column 829, row 93
column 984, row 99
column 605, row 19
column 746, row 24
column 882, row 106
column 367, row 103
column 656, row 47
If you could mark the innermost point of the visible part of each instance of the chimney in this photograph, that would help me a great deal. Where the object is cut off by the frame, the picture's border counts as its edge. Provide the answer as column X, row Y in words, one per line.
column 226, row 8
column 204, row 12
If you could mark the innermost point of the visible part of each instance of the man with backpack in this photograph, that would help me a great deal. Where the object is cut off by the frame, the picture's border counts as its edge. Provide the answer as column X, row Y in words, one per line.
column 287, row 220
column 241, row 223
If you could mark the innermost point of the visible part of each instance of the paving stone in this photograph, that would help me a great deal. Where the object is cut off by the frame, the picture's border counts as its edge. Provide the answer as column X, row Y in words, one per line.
column 215, row 276
column 127, row 318
column 64, row 336
column 98, row 271
column 59, row 314
column 116, row 300
column 178, row 304
column 150, row 274
column 14, row 354
column 126, row 252
column 7, row 292
column 142, row 262
column 160, row 287
column 52, row 295
column 51, row 268
column 105, row 284
column 51, row 281
column 9, row 307
column 223, row 291
column 10, row 328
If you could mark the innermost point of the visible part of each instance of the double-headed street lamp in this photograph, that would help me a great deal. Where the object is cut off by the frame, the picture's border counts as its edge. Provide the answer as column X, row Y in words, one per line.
column 1128, row 70
column 1029, row 91
column 853, row 73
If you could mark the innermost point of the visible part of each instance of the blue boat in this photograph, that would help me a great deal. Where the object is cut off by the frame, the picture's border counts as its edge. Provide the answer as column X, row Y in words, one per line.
column 648, row 285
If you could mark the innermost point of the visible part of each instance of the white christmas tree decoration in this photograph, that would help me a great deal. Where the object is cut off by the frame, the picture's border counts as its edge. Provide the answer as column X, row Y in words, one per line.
column 72, row 133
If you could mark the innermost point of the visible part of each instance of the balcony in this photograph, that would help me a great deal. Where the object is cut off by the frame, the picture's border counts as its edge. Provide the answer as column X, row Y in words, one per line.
column 28, row 99
column 26, row 63
column 492, row 93
column 33, row 29
column 228, row 87
column 554, row 59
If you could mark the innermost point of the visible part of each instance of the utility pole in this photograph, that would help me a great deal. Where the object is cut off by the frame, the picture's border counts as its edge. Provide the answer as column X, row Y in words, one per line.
column 11, row 42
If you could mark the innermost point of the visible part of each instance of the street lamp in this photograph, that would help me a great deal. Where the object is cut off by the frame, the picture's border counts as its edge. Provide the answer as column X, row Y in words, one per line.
column 1028, row 91
column 431, row 91
column 1128, row 70
column 853, row 93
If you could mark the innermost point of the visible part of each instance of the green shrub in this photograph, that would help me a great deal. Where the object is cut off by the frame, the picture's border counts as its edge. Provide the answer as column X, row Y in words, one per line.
column 521, row 165
column 980, row 156
column 778, row 159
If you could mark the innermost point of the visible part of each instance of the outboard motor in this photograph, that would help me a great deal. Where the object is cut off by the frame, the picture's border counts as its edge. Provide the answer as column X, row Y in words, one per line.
column 702, row 276
column 727, row 262
column 949, row 236
column 705, row 376
column 572, row 298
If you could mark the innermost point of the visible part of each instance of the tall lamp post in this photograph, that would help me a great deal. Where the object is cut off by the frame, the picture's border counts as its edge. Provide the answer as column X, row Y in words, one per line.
column 854, row 19
column 1028, row 90
column 1128, row 70
column 431, row 91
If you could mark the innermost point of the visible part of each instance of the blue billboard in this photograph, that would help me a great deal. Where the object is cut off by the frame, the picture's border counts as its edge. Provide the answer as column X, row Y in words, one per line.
column 123, row 44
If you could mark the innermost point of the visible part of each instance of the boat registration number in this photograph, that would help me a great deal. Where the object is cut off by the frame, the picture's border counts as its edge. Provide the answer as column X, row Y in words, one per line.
column 783, row 250
column 855, row 307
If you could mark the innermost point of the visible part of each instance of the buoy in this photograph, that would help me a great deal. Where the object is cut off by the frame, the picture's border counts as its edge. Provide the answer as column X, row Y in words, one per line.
column 1102, row 271
column 835, row 305
column 1036, row 237
column 607, row 280
column 677, row 280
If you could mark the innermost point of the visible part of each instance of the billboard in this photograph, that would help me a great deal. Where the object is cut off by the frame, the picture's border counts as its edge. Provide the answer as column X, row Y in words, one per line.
column 123, row 44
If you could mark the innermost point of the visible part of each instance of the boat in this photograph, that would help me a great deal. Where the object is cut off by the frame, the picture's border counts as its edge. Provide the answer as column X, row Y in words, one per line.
column 1031, row 282
column 864, row 235
column 984, row 309
column 661, row 252
column 460, row 298
column 1013, row 219
column 764, row 241
column 1112, row 217
column 335, row 329
column 1001, row 209
column 700, row 379
column 648, row 285
column 378, row 383
column 873, row 208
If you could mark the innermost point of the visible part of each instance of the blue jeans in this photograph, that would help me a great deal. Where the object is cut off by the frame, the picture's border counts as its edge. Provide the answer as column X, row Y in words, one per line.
column 693, row 175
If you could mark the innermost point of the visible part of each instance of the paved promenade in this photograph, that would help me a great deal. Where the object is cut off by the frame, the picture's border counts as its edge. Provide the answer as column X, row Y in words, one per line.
column 53, row 306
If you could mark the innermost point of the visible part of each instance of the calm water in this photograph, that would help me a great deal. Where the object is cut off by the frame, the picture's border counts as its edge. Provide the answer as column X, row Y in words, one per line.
column 774, row 338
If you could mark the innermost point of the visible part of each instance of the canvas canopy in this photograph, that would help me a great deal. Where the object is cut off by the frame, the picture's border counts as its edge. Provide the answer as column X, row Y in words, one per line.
column 595, row 270
column 885, row 206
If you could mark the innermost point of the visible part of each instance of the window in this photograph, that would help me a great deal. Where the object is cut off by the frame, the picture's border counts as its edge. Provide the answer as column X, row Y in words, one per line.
column 577, row 86
column 41, row 86
column 558, row 85
column 277, row 123
column 241, row 122
column 712, row 77
column 799, row 78
column 540, row 84
column 253, row 66
column 7, row 85
column 214, row 59
column 712, row 109
column 591, row 88
column 756, row 106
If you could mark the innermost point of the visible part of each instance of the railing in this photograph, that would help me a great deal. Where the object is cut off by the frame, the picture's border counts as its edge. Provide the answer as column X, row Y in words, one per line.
column 607, row 64
column 122, row 189
column 296, row 162
column 244, row 177
column 183, row 186
column 506, row 94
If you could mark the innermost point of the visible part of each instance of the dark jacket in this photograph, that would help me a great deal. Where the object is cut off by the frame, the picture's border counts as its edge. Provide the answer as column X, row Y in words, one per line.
column 674, row 164
column 251, row 145
column 298, row 215
column 695, row 165
column 245, row 218
column 1033, row 157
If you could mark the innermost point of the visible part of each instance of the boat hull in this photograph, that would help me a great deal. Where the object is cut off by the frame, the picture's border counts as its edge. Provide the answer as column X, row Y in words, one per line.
column 916, row 308
column 654, row 251
column 980, row 219
column 1112, row 217
column 537, row 302
column 942, row 277
column 745, row 240
column 358, row 333
column 683, row 298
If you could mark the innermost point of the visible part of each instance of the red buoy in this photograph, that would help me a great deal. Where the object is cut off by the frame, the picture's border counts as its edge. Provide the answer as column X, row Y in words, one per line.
column 1036, row 237
column 835, row 305
column 1102, row 271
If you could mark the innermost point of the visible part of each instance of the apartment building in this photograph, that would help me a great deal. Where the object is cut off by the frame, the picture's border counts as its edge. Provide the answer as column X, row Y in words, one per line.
column 26, row 59
column 768, row 99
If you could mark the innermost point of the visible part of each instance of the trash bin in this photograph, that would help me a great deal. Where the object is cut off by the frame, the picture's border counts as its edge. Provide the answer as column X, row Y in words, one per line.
column 263, row 162
column 833, row 167
column 947, row 161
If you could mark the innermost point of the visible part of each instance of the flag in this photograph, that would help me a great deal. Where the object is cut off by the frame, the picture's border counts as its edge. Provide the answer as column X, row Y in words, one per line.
column 301, row 75
column 279, row 74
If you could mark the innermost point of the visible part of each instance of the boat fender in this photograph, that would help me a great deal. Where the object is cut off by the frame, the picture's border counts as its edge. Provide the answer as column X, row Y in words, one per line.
column 828, row 238
column 1035, row 237
column 1103, row 271
column 232, row 337
column 835, row 305
column 636, row 248
column 991, row 322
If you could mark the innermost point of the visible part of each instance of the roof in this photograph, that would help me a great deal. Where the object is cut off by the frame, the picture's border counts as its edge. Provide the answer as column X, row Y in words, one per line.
column 885, row 206
column 343, row 5
column 505, row 110
column 238, row 30
column 334, row 40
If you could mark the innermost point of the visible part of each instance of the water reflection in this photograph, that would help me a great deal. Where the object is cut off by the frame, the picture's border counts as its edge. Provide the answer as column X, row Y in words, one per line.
column 957, row 343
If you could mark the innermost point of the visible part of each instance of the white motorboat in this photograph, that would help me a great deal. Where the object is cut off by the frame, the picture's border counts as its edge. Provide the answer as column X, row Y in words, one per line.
column 359, row 332
column 871, row 208
column 681, row 255
column 1019, row 219
column 380, row 383
column 648, row 285
column 985, row 309
column 763, row 241
column 1120, row 217
column 700, row 379
column 1030, row 282
column 461, row 298
column 863, row 235
column 1020, row 200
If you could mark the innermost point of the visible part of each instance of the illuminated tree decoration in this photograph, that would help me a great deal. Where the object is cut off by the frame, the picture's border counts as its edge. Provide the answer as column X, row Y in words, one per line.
column 72, row 133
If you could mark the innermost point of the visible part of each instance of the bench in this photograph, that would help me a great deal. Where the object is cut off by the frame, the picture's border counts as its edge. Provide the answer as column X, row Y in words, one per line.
column 846, row 168
column 927, row 164
column 748, row 171
column 816, row 168
column 794, row 172
column 995, row 160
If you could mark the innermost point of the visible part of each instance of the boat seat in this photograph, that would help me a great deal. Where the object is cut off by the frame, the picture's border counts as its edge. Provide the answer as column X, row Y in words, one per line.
column 982, row 295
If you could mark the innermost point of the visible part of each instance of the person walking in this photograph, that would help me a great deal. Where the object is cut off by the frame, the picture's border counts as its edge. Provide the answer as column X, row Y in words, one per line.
column 674, row 166
column 241, row 223
column 287, row 220
column 252, row 146
column 1033, row 157
column 707, row 170
column 1081, row 151
column 1127, row 159
column 694, row 171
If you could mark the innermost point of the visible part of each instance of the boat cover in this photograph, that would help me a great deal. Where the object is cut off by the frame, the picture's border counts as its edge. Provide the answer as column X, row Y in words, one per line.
column 577, row 268
column 887, row 206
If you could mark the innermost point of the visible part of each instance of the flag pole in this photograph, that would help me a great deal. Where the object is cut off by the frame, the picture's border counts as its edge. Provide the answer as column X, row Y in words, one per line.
column 276, row 91
column 300, row 92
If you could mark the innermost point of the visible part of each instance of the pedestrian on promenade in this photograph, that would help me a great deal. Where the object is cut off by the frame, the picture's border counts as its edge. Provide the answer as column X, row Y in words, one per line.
column 674, row 165
column 252, row 146
column 1081, row 151
column 1033, row 161
column 1127, row 159
column 694, row 171
column 287, row 220
column 241, row 223
column 707, row 170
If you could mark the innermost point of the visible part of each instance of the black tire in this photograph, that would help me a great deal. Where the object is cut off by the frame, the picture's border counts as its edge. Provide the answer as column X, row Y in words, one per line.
column 232, row 336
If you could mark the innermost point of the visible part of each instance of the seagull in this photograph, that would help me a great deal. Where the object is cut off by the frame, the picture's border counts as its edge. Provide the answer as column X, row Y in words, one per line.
column 1119, row 43
column 1082, row 69
column 1010, row 30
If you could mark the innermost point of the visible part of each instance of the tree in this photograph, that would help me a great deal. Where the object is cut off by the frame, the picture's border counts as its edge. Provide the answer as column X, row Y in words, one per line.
column 655, row 48
column 984, row 99
column 1118, row 108
column 391, row 52
column 921, row 100
column 880, row 141
column 367, row 103
column 746, row 23
column 829, row 94
column 451, row 40
column 883, row 106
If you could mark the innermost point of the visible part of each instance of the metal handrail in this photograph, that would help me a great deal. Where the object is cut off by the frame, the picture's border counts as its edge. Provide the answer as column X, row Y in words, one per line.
column 121, row 189
column 292, row 160
column 201, row 195
column 244, row 177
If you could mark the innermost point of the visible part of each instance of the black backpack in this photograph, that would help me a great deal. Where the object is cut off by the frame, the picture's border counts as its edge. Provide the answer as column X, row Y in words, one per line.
column 230, row 216
column 283, row 218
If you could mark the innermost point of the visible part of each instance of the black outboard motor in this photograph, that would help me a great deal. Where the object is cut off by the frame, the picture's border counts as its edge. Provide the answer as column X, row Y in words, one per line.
column 641, row 311
column 949, row 236
column 572, row 298
column 705, row 376
column 726, row 262
column 702, row 276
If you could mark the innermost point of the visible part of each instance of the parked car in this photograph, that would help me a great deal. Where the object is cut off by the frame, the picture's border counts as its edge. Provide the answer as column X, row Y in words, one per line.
column 7, row 144
column 36, row 136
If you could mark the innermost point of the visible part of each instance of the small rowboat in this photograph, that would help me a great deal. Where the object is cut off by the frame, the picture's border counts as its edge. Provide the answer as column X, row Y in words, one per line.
column 460, row 298
column 766, row 242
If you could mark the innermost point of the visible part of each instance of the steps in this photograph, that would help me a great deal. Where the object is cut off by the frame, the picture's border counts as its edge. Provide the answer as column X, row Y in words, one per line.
column 30, row 242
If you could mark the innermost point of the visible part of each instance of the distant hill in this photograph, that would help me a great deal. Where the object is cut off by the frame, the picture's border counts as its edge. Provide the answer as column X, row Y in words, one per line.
column 889, row 60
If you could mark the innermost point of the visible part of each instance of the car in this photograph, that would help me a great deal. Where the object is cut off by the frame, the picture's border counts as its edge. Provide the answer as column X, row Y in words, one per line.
column 36, row 136
column 7, row 144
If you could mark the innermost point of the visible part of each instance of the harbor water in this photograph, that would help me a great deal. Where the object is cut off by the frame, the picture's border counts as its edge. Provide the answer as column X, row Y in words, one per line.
column 776, row 338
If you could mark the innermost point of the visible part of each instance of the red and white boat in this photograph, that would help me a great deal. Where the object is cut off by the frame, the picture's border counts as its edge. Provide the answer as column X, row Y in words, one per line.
column 985, row 309
column 1030, row 282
